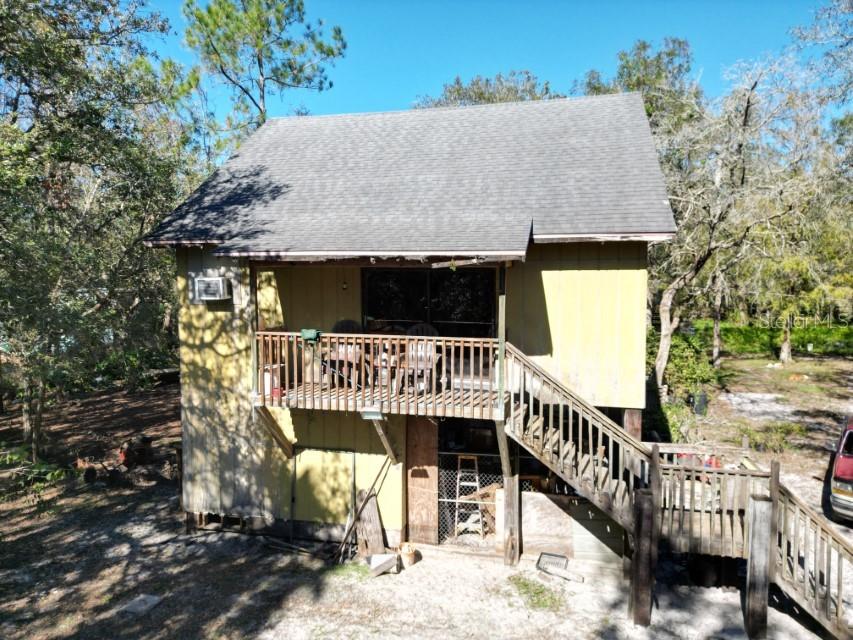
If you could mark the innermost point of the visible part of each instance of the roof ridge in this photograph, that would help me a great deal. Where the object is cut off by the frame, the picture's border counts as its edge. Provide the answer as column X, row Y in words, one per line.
column 560, row 100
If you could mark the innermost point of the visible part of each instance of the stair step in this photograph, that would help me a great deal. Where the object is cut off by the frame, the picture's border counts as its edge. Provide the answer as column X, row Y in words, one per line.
column 534, row 423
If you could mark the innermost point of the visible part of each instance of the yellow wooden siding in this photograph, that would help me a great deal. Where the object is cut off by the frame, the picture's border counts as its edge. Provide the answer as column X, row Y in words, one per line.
column 232, row 466
column 316, row 297
column 579, row 310
column 310, row 297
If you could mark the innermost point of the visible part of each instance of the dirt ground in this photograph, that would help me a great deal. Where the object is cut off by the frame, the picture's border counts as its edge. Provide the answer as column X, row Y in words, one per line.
column 73, row 558
column 70, row 564
column 808, row 401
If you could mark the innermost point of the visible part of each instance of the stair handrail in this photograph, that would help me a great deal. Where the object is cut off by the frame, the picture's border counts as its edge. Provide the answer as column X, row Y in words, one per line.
column 609, row 425
column 819, row 519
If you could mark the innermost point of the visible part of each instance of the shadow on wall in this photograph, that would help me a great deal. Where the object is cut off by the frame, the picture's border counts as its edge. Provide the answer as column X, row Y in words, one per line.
column 231, row 465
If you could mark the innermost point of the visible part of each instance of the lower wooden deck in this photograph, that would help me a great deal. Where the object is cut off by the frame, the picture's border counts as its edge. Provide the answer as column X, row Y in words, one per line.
column 479, row 404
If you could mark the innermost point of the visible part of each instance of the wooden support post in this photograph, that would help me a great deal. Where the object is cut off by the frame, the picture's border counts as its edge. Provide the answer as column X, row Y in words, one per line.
column 632, row 422
column 758, row 566
column 386, row 442
column 512, row 499
column 642, row 574
column 501, row 342
column 774, row 517
column 655, row 486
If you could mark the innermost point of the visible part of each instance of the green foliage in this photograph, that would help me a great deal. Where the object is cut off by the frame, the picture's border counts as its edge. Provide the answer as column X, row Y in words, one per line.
column 259, row 48
column 775, row 437
column 91, row 156
column 662, row 75
column 26, row 476
column 516, row 86
column 535, row 594
column 750, row 339
column 689, row 367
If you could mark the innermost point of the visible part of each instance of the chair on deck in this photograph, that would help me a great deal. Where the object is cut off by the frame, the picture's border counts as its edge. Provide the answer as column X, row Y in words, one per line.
column 343, row 359
column 420, row 358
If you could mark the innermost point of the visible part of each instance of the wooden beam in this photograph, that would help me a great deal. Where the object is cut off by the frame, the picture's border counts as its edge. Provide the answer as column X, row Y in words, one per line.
column 501, row 340
column 655, row 486
column 512, row 499
column 271, row 425
column 632, row 422
column 512, row 520
column 774, row 516
column 386, row 442
column 642, row 574
column 758, row 566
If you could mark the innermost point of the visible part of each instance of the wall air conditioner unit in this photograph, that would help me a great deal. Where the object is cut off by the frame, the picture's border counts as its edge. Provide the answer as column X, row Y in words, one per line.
column 212, row 289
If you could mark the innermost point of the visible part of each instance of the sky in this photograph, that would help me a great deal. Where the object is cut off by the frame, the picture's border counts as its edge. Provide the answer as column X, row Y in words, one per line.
column 399, row 50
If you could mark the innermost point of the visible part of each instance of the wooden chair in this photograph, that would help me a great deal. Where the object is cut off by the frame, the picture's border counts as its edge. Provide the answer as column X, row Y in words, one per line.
column 344, row 360
column 419, row 358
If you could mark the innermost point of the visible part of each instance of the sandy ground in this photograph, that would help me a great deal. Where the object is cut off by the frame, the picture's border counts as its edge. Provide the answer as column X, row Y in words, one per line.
column 70, row 564
column 73, row 558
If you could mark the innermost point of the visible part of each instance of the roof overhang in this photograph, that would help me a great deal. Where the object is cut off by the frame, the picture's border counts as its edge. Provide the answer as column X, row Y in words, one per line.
column 419, row 256
column 545, row 238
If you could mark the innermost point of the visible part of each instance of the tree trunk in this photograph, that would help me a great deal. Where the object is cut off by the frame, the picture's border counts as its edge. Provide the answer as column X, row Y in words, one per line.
column 2, row 388
column 37, row 415
column 785, row 350
column 668, row 325
column 32, row 408
column 717, row 345
column 26, row 412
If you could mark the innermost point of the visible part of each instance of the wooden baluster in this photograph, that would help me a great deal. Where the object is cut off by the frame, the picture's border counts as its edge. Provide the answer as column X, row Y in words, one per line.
column 403, row 359
column 839, row 597
column 279, row 369
column 286, row 378
column 470, row 380
column 702, row 509
column 435, row 351
column 795, row 549
column 827, row 611
column 262, row 385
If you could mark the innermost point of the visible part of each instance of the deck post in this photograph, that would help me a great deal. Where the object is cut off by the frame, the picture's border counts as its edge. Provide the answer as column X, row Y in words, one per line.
column 774, row 516
column 642, row 571
column 655, row 486
column 512, row 499
column 253, row 329
column 501, row 408
column 758, row 566
column 632, row 422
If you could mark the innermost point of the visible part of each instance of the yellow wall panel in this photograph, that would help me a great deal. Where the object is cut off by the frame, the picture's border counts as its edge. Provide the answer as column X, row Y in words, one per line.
column 578, row 309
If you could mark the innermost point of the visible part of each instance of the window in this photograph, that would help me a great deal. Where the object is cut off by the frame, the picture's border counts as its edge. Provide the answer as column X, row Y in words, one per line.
column 457, row 303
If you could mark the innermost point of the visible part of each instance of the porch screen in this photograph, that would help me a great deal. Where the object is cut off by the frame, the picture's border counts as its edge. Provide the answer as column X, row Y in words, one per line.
column 457, row 303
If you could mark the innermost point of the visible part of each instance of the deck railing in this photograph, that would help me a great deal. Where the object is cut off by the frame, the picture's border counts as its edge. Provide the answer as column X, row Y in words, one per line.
column 814, row 562
column 704, row 510
column 414, row 375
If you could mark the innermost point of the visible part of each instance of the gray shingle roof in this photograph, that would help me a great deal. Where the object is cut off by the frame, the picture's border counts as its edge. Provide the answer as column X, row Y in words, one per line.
column 449, row 181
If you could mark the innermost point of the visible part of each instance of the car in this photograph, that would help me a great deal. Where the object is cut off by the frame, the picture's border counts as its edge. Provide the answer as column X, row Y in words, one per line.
column 841, row 487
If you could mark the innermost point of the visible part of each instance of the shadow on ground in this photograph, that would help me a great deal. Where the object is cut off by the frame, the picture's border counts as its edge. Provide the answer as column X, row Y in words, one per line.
column 70, row 576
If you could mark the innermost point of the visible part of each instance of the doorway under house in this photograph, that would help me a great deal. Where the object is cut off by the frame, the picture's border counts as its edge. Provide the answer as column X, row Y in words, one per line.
column 470, row 478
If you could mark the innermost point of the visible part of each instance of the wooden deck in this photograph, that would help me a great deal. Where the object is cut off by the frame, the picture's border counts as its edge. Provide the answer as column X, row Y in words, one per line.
column 456, row 403
column 410, row 375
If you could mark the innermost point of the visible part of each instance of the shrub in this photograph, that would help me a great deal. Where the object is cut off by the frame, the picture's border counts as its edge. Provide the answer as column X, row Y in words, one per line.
column 775, row 437
column 689, row 366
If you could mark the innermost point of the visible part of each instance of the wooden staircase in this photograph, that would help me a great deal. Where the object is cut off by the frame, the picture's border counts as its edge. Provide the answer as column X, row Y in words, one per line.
column 698, row 510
